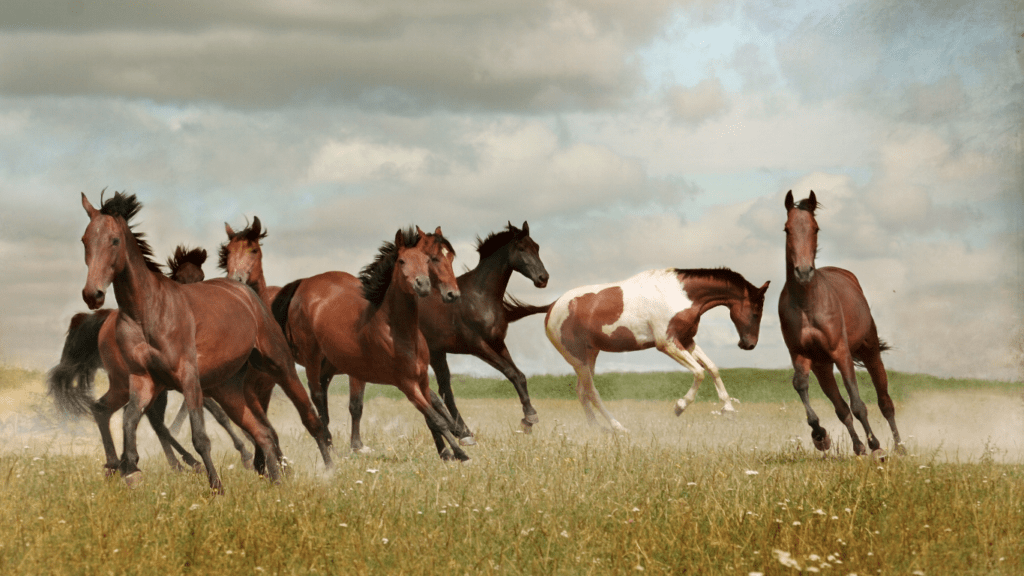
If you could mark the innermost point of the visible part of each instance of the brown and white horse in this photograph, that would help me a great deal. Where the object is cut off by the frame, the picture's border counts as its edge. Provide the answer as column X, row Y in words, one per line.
column 654, row 309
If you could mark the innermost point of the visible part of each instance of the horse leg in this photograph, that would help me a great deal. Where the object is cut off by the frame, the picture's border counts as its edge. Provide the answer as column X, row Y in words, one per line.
column 141, row 390
column 801, row 382
column 827, row 381
column 155, row 414
column 857, row 406
column 417, row 393
column 356, row 387
column 240, row 403
column 187, row 375
column 179, row 419
column 102, row 410
column 595, row 397
column 723, row 394
column 258, row 388
column 317, row 393
column 439, row 362
column 873, row 362
column 687, row 360
column 221, row 417
column 499, row 357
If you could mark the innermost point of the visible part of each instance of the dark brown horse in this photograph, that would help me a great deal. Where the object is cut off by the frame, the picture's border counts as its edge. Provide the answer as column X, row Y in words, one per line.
column 654, row 309
column 826, row 321
column 195, row 338
column 368, row 328
column 80, row 359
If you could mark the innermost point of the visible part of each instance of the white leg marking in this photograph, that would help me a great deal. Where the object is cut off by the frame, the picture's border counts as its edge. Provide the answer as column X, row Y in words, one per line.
column 723, row 395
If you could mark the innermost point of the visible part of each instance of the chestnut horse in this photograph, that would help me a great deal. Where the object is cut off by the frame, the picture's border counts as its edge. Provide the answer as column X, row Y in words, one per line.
column 194, row 338
column 368, row 328
column 826, row 321
column 654, row 309
column 80, row 359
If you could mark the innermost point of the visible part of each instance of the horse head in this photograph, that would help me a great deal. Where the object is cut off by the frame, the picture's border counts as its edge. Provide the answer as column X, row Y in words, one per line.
column 441, row 254
column 106, row 239
column 241, row 256
column 801, row 237
column 411, row 273
column 746, row 315
column 524, row 256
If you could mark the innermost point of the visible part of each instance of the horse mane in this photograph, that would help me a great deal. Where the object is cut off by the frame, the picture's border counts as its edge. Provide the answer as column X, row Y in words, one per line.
column 376, row 276
column 496, row 240
column 248, row 233
column 808, row 206
column 126, row 206
column 184, row 255
column 723, row 274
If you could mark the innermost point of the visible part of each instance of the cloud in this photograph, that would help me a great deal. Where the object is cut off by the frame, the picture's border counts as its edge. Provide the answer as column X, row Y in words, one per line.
column 694, row 105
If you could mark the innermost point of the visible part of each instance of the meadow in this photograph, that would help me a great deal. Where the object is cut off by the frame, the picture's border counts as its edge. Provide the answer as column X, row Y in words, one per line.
column 703, row 493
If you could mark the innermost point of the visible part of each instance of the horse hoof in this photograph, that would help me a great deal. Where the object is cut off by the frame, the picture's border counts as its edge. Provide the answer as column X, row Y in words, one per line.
column 133, row 480
column 447, row 455
column 531, row 418
column 879, row 454
column 527, row 427
column 901, row 449
column 467, row 441
column 680, row 406
column 824, row 443
column 247, row 464
column 363, row 450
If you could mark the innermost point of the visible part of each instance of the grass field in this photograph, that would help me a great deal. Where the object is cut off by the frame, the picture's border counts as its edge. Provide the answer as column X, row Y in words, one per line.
column 703, row 493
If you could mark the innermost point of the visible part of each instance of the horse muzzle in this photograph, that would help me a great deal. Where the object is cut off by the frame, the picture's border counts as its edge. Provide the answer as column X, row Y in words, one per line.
column 93, row 298
column 449, row 295
column 804, row 274
column 747, row 345
column 541, row 280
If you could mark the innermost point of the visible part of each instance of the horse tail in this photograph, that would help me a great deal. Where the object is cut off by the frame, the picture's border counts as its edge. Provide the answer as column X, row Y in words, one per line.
column 71, row 381
column 883, row 346
column 516, row 309
column 282, row 302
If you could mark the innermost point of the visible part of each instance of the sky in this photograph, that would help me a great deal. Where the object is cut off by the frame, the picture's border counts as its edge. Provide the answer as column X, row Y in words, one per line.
column 629, row 135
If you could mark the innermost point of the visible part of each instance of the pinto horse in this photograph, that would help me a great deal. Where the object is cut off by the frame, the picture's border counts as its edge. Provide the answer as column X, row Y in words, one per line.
column 826, row 321
column 81, row 358
column 195, row 338
column 368, row 328
column 654, row 309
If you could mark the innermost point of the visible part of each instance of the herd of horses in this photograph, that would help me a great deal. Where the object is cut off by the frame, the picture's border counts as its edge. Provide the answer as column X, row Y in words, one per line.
column 224, row 343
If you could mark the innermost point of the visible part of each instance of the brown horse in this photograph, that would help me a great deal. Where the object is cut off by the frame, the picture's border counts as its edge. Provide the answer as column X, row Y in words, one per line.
column 368, row 328
column 653, row 309
column 195, row 338
column 826, row 321
column 80, row 359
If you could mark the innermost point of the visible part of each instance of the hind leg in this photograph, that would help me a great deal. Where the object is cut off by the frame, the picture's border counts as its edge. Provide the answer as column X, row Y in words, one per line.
column 140, row 394
column 155, row 414
column 356, row 387
column 242, row 404
column 221, row 417
column 586, row 390
column 827, row 381
column 857, row 406
column 418, row 393
column 801, row 383
column 873, row 362
column 498, row 356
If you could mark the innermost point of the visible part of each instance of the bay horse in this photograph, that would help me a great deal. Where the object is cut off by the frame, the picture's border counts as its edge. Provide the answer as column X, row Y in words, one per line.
column 195, row 338
column 80, row 359
column 658, row 308
column 826, row 321
column 368, row 328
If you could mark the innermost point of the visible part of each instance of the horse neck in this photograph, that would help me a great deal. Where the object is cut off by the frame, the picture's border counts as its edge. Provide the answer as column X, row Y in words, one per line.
column 708, row 293
column 259, row 285
column 492, row 274
column 135, row 285
column 401, row 312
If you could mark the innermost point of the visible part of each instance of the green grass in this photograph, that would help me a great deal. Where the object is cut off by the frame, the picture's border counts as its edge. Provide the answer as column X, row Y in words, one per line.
column 697, row 494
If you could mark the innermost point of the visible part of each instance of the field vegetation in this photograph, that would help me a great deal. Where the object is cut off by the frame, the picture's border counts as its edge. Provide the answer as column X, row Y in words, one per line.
column 704, row 493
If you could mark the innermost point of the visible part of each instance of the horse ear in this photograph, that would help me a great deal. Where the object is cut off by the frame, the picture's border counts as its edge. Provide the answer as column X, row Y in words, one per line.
column 399, row 239
column 526, row 227
column 789, row 200
column 437, row 231
column 764, row 287
column 88, row 207
column 254, row 233
column 229, row 230
column 812, row 201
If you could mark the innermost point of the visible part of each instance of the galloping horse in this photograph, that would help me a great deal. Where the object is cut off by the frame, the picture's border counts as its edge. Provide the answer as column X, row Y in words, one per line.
column 654, row 309
column 80, row 359
column 826, row 321
column 368, row 328
column 194, row 338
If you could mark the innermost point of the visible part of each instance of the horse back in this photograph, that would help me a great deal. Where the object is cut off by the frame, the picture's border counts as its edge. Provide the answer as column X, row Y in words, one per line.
column 228, row 317
column 326, row 311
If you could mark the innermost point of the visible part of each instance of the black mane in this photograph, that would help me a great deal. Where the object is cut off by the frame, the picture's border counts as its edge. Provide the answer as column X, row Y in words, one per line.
column 376, row 276
column 184, row 255
column 126, row 206
column 248, row 233
column 723, row 274
column 808, row 206
column 496, row 240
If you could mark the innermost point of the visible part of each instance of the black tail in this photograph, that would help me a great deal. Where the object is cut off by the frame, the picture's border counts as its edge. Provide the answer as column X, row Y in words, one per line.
column 515, row 309
column 883, row 346
column 70, row 382
column 283, row 301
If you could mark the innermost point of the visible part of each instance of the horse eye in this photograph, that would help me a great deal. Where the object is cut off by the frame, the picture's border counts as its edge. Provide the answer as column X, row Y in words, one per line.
column 435, row 259
column 115, row 241
column 401, row 262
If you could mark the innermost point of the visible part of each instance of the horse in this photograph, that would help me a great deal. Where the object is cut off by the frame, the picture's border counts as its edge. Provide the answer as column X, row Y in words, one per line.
column 195, row 338
column 826, row 321
column 80, row 359
column 658, row 308
column 368, row 328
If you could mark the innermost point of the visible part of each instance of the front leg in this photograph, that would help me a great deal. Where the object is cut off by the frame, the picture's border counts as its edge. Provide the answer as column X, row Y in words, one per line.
column 439, row 362
column 356, row 388
column 499, row 357
column 140, row 393
column 801, row 382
